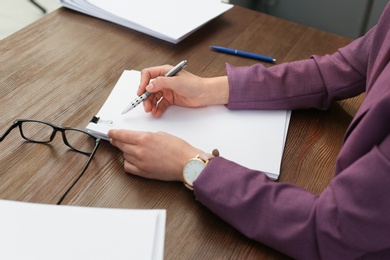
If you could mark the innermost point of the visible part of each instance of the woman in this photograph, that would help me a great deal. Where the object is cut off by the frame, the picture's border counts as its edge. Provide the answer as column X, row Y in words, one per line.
column 350, row 219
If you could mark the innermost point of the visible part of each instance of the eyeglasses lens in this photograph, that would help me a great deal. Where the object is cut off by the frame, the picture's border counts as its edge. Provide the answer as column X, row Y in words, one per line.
column 36, row 131
column 80, row 140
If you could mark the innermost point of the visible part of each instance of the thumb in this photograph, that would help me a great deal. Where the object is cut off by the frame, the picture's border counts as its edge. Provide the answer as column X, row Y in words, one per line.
column 151, row 88
column 159, row 84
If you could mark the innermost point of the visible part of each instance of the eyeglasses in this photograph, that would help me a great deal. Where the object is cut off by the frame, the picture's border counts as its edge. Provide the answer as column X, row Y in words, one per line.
column 43, row 132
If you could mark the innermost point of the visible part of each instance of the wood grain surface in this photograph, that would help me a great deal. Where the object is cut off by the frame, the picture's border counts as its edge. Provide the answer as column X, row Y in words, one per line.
column 62, row 68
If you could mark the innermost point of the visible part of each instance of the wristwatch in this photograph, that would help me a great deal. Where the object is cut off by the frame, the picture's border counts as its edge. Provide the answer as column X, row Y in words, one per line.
column 194, row 167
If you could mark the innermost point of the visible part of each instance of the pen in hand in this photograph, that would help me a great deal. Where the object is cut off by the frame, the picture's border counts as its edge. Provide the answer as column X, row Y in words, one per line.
column 146, row 94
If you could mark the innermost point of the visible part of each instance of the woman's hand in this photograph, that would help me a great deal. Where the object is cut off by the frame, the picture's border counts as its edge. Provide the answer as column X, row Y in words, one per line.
column 184, row 89
column 153, row 155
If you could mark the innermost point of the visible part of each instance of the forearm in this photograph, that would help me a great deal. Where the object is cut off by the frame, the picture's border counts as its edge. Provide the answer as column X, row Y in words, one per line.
column 276, row 214
column 348, row 220
column 295, row 85
column 310, row 83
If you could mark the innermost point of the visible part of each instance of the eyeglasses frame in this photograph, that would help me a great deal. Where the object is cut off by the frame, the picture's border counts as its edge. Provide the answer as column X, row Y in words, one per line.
column 56, row 128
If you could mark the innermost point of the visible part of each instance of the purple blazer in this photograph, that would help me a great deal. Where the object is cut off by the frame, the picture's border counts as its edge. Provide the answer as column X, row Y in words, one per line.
column 351, row 218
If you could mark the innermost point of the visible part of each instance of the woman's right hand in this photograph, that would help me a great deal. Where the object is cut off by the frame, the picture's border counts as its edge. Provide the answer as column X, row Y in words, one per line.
column 184, row 89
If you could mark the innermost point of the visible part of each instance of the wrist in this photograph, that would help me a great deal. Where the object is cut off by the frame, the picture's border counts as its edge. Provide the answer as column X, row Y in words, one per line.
column 216, row 91
column 195, row 166
column 186, row 156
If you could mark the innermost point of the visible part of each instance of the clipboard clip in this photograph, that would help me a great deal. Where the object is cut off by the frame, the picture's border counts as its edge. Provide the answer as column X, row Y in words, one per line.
column 97, row 120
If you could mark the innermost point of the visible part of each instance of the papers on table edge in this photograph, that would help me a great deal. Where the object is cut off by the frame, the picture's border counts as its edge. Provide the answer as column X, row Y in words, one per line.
column 169, row 20
column 42, row 231
column 253, row 138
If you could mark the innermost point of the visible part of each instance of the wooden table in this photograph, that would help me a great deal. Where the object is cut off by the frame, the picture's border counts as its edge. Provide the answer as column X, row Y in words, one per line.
column 62, row 68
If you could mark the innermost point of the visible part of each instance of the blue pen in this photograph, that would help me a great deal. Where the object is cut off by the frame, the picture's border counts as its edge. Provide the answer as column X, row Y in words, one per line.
column 243, row 53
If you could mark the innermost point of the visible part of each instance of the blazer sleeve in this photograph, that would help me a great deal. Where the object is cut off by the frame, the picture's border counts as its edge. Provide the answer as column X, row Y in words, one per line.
column 310, row 83
column 350, row 219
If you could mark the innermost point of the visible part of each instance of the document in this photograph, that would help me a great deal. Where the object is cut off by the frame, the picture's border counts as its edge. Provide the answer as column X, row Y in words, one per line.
column 169, row 20
column 46, row 232
column 253, row 138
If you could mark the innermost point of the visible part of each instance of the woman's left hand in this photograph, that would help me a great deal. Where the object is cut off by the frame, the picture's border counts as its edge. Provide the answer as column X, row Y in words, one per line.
column 153, row 155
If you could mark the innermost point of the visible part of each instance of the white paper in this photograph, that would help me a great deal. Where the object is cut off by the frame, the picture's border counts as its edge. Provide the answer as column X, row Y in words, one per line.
column 45, row 232
column 252, row 138
column 170, row 20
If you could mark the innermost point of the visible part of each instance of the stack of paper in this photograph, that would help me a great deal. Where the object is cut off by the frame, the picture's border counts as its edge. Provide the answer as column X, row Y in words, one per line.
column 45, row 232
column 170, row 20
column 252, row 138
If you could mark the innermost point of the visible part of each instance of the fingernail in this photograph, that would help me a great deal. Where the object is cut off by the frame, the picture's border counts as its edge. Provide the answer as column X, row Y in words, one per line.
column 150, row 87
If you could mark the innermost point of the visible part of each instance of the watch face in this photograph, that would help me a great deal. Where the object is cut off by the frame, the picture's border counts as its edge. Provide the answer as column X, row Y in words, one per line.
column 192, row 170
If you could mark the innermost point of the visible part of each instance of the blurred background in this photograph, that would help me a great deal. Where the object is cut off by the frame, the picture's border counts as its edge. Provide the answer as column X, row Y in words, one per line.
column 349, row 18
column 16, row 14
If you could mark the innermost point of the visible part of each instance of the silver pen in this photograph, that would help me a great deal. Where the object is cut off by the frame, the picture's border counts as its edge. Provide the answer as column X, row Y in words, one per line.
column 146, row 94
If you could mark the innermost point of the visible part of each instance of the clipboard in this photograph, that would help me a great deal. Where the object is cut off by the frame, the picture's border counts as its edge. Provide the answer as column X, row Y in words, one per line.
column 253, row 138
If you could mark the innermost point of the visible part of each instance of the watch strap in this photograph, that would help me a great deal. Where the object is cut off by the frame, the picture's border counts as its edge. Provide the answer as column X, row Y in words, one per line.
column 205, row 157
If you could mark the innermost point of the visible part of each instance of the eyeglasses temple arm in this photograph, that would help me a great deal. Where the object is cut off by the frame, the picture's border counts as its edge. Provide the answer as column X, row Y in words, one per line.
column 8, row 131
column 82, row 172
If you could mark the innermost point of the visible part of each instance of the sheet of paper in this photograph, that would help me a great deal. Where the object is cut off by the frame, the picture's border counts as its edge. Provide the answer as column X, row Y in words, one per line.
column 170, row 20
column 45, row 232
column 252, row 138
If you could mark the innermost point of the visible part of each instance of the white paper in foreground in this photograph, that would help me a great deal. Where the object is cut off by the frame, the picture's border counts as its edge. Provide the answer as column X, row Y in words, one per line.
column 46, row 232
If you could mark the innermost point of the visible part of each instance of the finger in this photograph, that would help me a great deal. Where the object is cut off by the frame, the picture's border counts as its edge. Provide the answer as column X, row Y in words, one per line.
column 113, row 142
column 134, row 170
column 128, row 151
column 119, row 136
column 151, row 73
column 161, row 108
column 151, row 101
column 161, row 83
column 147, row 105
column 156, row 98
column 131, row 168
column 130, row 158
